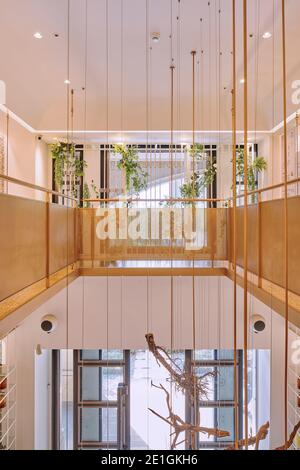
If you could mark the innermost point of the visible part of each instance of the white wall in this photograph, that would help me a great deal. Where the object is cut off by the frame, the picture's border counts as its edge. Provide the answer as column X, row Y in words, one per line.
column 114, row 313
column 27, row 158
column 43, row 164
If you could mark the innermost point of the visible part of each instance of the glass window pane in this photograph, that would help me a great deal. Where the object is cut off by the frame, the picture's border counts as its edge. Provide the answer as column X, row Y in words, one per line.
column 99, row 424
column 225, row 421
column 208, row 382
column 112, row 354
column 90, row 424
column 90, row 355
column 66, row 399
column 90, row 383
column 225, row 354
column 225, row 383
column 111, row 377
column 109, row 424
column 207, row 420
column 204, row 355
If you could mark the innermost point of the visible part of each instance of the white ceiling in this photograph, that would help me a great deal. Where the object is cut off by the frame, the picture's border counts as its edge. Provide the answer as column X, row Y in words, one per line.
column 35, row 70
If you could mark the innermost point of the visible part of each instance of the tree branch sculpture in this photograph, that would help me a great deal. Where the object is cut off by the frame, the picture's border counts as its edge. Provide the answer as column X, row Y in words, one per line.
column 290, row 441
column 181, row 426
column 195, row 387
column 253, row 440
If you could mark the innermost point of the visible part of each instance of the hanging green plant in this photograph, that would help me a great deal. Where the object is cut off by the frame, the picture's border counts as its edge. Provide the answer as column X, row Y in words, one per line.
column 197, row 151
column 193, row 188
column 86, row 195
column 66, row 161
column 96, row 190
column 60, row 157
column 135, row 177
column 255, row 167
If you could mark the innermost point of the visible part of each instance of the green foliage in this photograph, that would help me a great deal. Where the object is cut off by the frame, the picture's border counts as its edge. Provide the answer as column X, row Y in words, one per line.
column 135, row 176
column 198, row 182
column 65, row 160
column 95, row 189
column 191, row 189
column 196, row 151
column 258, row 165
column 86, row 195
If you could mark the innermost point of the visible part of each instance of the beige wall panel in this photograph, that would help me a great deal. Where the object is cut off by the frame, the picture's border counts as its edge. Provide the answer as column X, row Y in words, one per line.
column 22, row 243
column 272, row 241
column 61, row 237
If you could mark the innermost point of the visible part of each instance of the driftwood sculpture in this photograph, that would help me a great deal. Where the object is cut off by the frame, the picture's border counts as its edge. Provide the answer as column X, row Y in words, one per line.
column 193, row 386
column 181, row 426
column 196, row 388
column 290, row 441
column 253, row 440
column 262, row 434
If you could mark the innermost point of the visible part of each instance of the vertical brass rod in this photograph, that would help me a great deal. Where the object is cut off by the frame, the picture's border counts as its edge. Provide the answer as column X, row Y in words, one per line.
column 245, row 43
column 286, row 246
column 196, row 413
column 47, row 240
column 236, row 414
column 172, row 67
column 193, row 113
column 259, row 245
column 193, row 180
column 297, row 148
column 93, row 212
column 7, row 150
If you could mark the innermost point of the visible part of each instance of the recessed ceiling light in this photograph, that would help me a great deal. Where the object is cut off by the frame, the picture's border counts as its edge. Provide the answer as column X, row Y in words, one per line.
column 67, row 82
column 242, row 81
column 38, row 35
column 267, row 35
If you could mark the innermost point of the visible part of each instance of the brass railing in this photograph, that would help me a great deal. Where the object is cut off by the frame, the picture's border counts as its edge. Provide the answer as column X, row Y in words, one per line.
column 37, row 241
column 42, row 242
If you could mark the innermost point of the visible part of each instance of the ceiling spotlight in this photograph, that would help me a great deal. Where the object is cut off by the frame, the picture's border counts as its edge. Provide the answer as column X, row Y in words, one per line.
column 242, row 81
column 38, row 35
column 155, row 37
column 267, row 35
column 67, row 82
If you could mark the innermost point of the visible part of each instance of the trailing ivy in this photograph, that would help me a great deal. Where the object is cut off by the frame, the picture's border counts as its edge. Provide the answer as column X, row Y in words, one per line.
column 66, row 161
column 256, row 166
column 197, row 151
column 198, row 181
column 86, row 195
column 135, row 177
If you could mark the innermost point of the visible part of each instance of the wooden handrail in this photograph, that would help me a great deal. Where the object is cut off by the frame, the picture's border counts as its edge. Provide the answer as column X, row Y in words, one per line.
column 266, row 188
column 153, row 200
column 239, row 196
column 16, row 181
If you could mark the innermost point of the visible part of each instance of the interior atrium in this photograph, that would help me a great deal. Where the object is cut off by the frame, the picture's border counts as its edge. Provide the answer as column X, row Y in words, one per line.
column 149, row 225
